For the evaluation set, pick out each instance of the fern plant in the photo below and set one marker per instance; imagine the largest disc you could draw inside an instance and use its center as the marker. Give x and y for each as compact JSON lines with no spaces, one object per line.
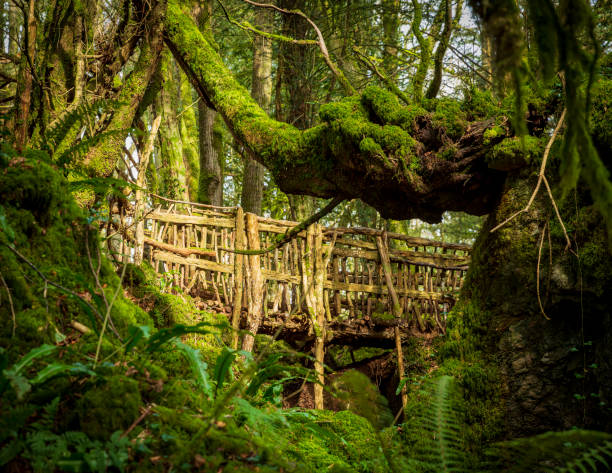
{"x":72,"y":123}
{"x":572,"y":451}
{"x":437,"y":428}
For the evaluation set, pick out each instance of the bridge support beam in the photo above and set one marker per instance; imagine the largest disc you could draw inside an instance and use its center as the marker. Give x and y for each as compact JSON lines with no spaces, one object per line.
{"x":255,"y":283}
{"x":239,"y":244}
{"x":397,"y":310}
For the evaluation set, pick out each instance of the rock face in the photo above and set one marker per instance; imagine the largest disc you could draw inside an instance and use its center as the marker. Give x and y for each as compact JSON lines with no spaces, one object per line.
{"x":556,"y":373}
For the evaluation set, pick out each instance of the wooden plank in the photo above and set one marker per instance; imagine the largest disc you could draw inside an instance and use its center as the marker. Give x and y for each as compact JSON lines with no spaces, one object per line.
{"x":382,"y":290}
{"x":274,"y":228}
{"x":227,"y":222}
{"x":198,"y":263}
{"x":411,"y":241}
{"x":179,"y":251}
{"x":409,"y":257}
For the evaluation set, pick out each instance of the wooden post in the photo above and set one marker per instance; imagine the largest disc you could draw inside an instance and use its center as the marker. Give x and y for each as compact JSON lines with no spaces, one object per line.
{"x":397,"y":312}
{"x":255,"y":283}
{"x":139,"y":197}
{"x":238,"y":275}
{"x":320,"y":274}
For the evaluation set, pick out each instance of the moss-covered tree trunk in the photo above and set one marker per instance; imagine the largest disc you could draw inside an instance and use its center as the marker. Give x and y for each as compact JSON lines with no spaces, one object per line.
{"x":552,"y":374}
{"x":171,"y":143}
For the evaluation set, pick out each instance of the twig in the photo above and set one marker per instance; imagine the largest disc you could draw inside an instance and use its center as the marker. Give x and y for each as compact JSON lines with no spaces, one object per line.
{"x":538,"y":271}
{"x":541,"y":176}
{"x":320,"y":41}
{"x":107,"y":316}
{"x":96,"y":273}
{"x":145,"y":412}
{"x":10,"y":298}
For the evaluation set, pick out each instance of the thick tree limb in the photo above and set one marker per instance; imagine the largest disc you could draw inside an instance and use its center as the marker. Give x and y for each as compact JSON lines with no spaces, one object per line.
{"x":395,"y":158}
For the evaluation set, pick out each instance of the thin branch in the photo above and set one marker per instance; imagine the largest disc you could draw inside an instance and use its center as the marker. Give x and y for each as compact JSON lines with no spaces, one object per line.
{"x":538,"y":271}
{"x":388,"y":82}
{"x":541,"y":177}
{"x":320,"y":41}
{"x":10,"y":299}
{"x":107,"y":317}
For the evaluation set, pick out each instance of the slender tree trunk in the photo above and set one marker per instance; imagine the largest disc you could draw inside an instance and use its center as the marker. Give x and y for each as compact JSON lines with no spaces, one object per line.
{"x":390,"y":23}
{"x":23,"y":97}
{"x":211,"y":178}
{"x":299,"y":91}
{"x":13,"y":28}
{"x":170,"y":135}
{"x":211,"y":173}
{"x":449,"y":25}
{"x":188,"y":123}
{"x":252,"y":185}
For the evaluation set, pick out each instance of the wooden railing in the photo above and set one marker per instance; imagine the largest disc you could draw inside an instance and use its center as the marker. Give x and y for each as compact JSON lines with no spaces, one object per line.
{"x":187,"y":244}
{"x":326,"y":285}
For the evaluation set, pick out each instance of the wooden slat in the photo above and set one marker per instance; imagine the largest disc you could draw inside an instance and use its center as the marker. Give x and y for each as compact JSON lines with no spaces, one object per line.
{"x":198,"y":263}
{"x":410,"y":257}
{"x":227,"y":222}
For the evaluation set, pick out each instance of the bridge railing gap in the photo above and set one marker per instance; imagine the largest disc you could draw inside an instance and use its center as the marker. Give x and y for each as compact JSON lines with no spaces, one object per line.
{"x":327,"y":285}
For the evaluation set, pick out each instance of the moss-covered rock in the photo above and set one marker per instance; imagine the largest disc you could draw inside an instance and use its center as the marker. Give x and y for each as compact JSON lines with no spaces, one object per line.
{"x":355,"y":392}
{"x":42,"y":225}
{"x":111,"y":406}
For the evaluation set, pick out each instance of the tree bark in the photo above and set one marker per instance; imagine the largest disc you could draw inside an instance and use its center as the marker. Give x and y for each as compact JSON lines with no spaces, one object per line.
{"x":25,"y":78}
{"x":171,"y":148}
{"x":253,"y":181}
{"x":211,"y":171}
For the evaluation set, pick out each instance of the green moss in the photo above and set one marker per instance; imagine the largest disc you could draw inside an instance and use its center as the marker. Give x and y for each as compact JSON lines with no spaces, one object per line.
{"x":512,"y":153}
{"x":384,"y":107}
{"x":112,"y":406}
{"x":450,"y":115}
{"x":351,"y":444}
{"x":491,"y":133}
{"x":356,"y":393}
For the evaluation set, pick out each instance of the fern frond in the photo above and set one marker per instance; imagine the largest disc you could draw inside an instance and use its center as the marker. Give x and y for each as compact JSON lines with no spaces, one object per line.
{"x":440,"y":446}
{"x":57,"y":133}
{"x":572,"y":451}
{"x":82,"y":147}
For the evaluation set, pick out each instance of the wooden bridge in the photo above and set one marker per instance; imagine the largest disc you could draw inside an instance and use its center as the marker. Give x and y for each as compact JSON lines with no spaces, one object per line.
{"x":328,"y":285}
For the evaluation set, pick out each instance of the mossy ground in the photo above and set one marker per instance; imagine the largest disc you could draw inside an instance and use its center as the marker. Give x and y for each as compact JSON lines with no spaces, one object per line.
{"x":152,"y":398}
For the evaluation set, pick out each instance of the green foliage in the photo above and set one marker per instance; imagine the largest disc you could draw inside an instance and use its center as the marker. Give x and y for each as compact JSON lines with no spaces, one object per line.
{"x":572,"y":451}
{"x":70,"y":451}
{"x":437,"y":430}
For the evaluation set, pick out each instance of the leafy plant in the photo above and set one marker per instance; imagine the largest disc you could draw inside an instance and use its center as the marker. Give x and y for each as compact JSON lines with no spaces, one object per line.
{"x":572,"y":451}
{"x":49,"y":451}
{"x":73,"y":123}
{"x":15,"y":376}
{"x":440,"y":446}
